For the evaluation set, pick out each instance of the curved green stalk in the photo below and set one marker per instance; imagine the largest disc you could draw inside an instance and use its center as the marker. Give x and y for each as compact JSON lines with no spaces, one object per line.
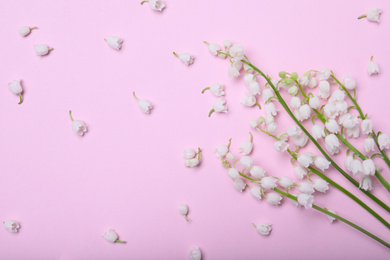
{"x":327,"y":213}
{"x":285,"y":106}
{"x":362,"y":116}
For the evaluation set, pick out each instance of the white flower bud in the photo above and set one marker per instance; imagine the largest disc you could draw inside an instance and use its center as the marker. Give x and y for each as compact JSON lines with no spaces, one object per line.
{"x":306,"y":187}
{"x":372,"y":68}
{"x":239,"y":184}
{"x":230,"y":156}
{"x":248,"y":100}
{"x":220,"y":105}
{"x":317,"y":132}
{"x":294,"y":131}
{"x":11,"y":226}
{"x":349,"y":82}
{"x":312,"y":82}
{"x":305,"y":111}
{"x":270,"y":109}
{"x":111,"y":236}
{"x":221,"y":151}
{"x":314,"y":102}
{"x":268,"y":182}
{"x":285,"y":181}
{"x":195,"y":254}
{"x":41,"y":49}
{"x":369,"y":145}
{"x":305,"y":200}
{"x":246,"y":161}
{"x":214,"y":48}
{"x":330,"y":218}
{"x":183,"y":209}
{"x":332,"y":126}
{"x":373,"y":14}
{"x":245,"y":147}
{"x":295,"y":102}
{"x":256,"y":192}
{"x":263,"y":229}
{"x":257,"y":172}
{"x":114,"y":42}
{"x":332,"y":144}
{"x":253,"y":123}
{"x":321,"y":163}
{"x":300,"y":140}
{"x":320,"y":185}
{"x":189,"y":153}
{"x":293,"y":90}
{"x":274,"y":198}
{"x":233,"y":173}
{"x":324,"y":74}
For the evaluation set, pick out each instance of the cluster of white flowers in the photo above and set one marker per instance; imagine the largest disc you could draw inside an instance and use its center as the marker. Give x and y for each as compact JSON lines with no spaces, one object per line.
{"x":190,"y":156}
{"x":217,"y":90}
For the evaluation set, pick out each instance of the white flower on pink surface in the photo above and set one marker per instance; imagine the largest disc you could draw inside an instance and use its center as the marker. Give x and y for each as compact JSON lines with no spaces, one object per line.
{"x":233,"y":173}
{"x":281,"y":146}
{"x":300,"y":172}
{"x":312,"y":82}
{"x":332,"y":126}
{"x":157,"y":5}
{"x":11,"y":225}
{"x":239,"y":184}
{"x":42,"y":49}
{"x":213,"y":48}
{"x":114,"y":42}
{"x":306,"y":187}
{"x":219,"y":106}
{"x":365,"y":183}
{"x":332,"y":144}
{"x":372,"y":14}
{"x":305,"y":159}
{"x":317,"y":132}
{"x":143,"y":104}
{"x":16,"y":88}
{"x":269,"y":182}
{"x":320,"y":185}
{"x":248,"y":100}
{"x":78,"y":126}
{"x":245,"y":147}
{"x":300,"y":140}
{"x":221,"y":151}
{"x":256,"y":192}
{"x":324,"y":74}
{"x":384,"y":141}
{"x":368,"y":167}
{"x":195,"y":254}
{"x":305,"y":200}
{"x":246,"y":161}
{"x":263,"y":228}
{"x":25,"y":30}
{"x":257,"y":172}
{"x":314,"y":102}
{"x":285,"y":181}
{"x":236,"y":52}
{"x":189,"y":153}
{"x":321,"y":163}
{"x":267,"y":94}
{"x":274,"y":198}
{"x":369,"y":145}
{"x":234,"y":70}
{"x":366,"y":126}
{"x":330,"y":218}
{"x":111,"y":236}
{"x":372,"y":67}
{"x":186,"y":58}
{"x":305,"y":111}
{"x":349,"y":82}
{"x":183,"y":209}
{"x":192,"y":162}
{"x":254,"y":88}
{"x":295,"y":102}
{"x":270,"y":109}
{"x":356,"y":167}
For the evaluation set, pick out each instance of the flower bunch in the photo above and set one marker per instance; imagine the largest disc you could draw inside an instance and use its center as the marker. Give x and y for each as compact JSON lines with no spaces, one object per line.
{"x":192,"y":158}
{"x":313,"y":98}
{"x":217,"y":90}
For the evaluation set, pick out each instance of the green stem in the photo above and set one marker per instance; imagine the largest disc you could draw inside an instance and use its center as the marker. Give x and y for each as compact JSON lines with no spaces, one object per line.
{"x":21,"y":98}
{"x":205,"y":89}
{"x":257,"y":103}
{"x":211,"y":111}
{"x":362,"y":16}
{"x":327,"y":213}
{"x":174,"y":53}
{"x":70,"y":114}
{"x":120,"y":241}
{"x":285,"y":106}
{"x":199,"y":156}
{"x":185,"y":216}
{"x":34,"y":27}
{"x":145,"y":1}
{"x":251,"y":138}
{"x":135,"y":97}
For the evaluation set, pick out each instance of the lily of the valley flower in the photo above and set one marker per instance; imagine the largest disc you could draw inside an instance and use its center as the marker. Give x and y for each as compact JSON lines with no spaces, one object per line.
{"x":285,"y":181}
{"x":305,"y":200}
{"x":16,"y":88}
{"x":233,"y":173}
{"x":263,"y":228}
{"x":189,"y":154}
{"x":274,"y":198}
{"x":222,"y":150}
{"x":216,"y":89}
{"x":249,"y":100}
{"x":330,"y":218}
{"x":25,"y":30}
{"x":306,"y":187}
{"x":213,"y":48}
{"x":114,"y":42}
{"x":317,"y":132}
{"x":332,"y":144}
{"x":321,"y":163}
{"x":195,"y":254}
{"x":349,"y":82}
{"x":183,"y":209}
{"x":269,"y":182}
{"x":11,"y":225}
{"x":369,"y":145}
{"x":366,"y":126}
{"x":256,"y":192}
{"x":300,"y":172}
{"x":186,"y":58}
{"x":157,"y":5}
{"x":246,"y":161}
{"x":78,"y":126}
{"x":219,"y":106}
{"x":384,"y":141}
{"x":42,"y":49}
{"x":314,"y":102}
{"x":257,"y":172}
{"x":324,"y":74}
{"x":368,"y":167}
{"x":239,"y":184}
{"x":246,"y":146}
{"x":192,"y":162}
{"x":143,"y":104}
{"x":305,"y":159}
{"x":365,"y":183}
{"x":372,"y":67}
{"x":281,"y":146}
{"x":372,"y":14}
{"x":320,"y":185}
{"x":111,"y":236}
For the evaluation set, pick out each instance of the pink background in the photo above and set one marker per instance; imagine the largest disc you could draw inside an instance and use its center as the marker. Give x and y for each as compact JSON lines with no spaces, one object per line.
{"x":127,"y":172}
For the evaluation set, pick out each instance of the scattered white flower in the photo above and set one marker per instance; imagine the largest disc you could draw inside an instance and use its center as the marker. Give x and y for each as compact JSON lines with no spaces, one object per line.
{"x":183,"y":209}
{"x":186,"y":58}
{"x":213,"y":48}
{"x":320,"y":185}
{"x":324,"y":86}
{"x":270,"y":109}
{"x":25,"y":30}
{"x":372,"y":14}
{"x":253,"y":123}
{"x":230,"y":156}
{"x":366,"y":183}
{"x":305,"y":111}
{"x":293,"y":90}
{"x":272,"y":127}
{"x":219,"y":106}
{"x":384,"y":141}
{"x":332,"y":144}
{"x":234,"y":70}
{"x":257,"y":172}
{"x":42,"y":49}
{"x":306,"y":187}
{"x":157,"y":5}
{"x":16,"y":88}
{"x":189,"y":154}
{"x":111,"y":236}
{"x":78,"y":126}
{"x":372,"y":67}
{"x":195,"y":254}
{"x":114,"y":42}
{"x":236,"y":52}
{"x":11,"y":225}
{"x":227,"y":44}
{"x":267,"y":94}
{"x":263,"y":228}
{"x":246,"y":161}
{"x":216,"y":89}
{"x":274,"y":198}
{"x":294,"y":131}
{"x":239,"y":184}
{"x":304,"y":80}
{"x":192,"y":162}
{"x":305,"y":200}
{"x":143,"y":104}
{"x":347,"y":162}
{"x":321,"y":163}
{"x":256,"y":192}
{"x":332,"y":126}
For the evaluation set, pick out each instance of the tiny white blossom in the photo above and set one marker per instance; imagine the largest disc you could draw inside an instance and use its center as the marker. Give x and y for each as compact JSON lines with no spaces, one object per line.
{"x":321,"y":163}
{"x":312,"y":82}
{"x":25,"y":30}
{"x":281,"y":146}
{"x":111,"y":236}
{"x":372,"y":67}
{"x":306,"y":187}
{"x":221,"y":151}
{"x":330,"y":218}
{"x":11,"y":225}
{"x":78,"y":126}
{"x":42,"y":49}
{"x":324,"y":74}
{"x":274,"y":198}
{"x":188,"y":154}
{"x":248,"y":100}
{"x":372,"y":14}
{"x":183,"y":209}
{"x":269,"y":182}
{"x":368,"y":167}
{"x":366,"y":126}
{"x":349,"y":82}
{"x":305,"y":159}
{"x":246,"y":161}
{"x":195,"y":254}
{"x":300,"y":172}
{"x":384,"y":141}
{"x":317,"y":132}
{"x":285,"y":181}
{"x":305,"y":200}
{"x":239,"y":184}
{"x":245,"y":147}
{"x":366,"y":183}
{"x":192,"y":162}
{"x":144,"y":105}
{"x":157,"y":5}
{"x":263,"y":229}
{"x":186,"y":58}
{"x":256,"y":192}
{"x":219,"y":106}
{"x":314,"y":102}
{"x":320,"y":185}
{"x":114,"y":42}
{"x":369,"y":145}
{"x":257,"y":172}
